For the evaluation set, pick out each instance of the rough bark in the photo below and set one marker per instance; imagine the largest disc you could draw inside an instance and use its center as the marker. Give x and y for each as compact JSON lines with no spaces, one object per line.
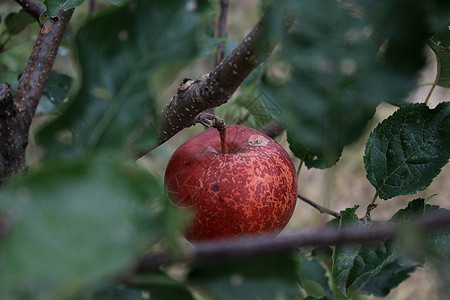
{"x":215,"y":88}
{"x":17,"y":110}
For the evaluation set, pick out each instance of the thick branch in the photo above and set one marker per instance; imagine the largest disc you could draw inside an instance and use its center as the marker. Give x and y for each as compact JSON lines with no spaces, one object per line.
{"x":217,"y":87}
{"x":31,"y":7}
{"x":17,"y":111}
{"x":266,"y":244}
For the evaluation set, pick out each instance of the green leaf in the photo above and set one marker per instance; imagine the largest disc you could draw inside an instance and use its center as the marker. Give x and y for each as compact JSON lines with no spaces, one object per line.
{"x":16,"y":22}
{"x":370,"y":258}
{"x":412,"y":212}
{"x":313,"y":278}
{"x":77,"y":223}
{"x":344,"y":255}
{"x":440,"y":43}
{"x":439,"y":241}
{"x":209,"y":45}
{"x":394,"y":271}
{"x":312,"y":158}
{"x":402,"y":32}
{"x":158,"y":285}
{"x":407,"y":150}
{"x":115,"y":104}
{"x":262,"y":277}
{"x":57,"y":88}
{"x":118,"y":292}
{"x":337,"y":75}
{"x":53,"y":7}
{"x":118,"y":2}
{"x":155,"y":286}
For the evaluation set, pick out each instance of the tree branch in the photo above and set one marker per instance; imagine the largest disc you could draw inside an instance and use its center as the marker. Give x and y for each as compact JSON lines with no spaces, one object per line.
{"x":31,"y":7}
{"x":18,"y":109}
{"x":272,"y":128}
{"x":215,"y":88}
{"x":266,"y":244}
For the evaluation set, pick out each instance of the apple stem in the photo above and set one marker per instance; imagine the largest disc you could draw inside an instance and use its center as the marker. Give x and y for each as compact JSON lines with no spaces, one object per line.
{"x":223,"y":137}
{"x":210,"y":120}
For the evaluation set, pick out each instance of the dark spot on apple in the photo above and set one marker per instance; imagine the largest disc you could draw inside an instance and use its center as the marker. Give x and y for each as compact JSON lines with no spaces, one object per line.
{"x":215,"y":188}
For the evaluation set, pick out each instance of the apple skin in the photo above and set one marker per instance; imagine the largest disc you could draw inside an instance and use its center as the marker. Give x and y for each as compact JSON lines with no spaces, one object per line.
{"x":250,"y":190}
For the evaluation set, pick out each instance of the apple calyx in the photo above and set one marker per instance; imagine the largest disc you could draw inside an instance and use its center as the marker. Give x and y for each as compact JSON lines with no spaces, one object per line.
{"x":209,"y":120}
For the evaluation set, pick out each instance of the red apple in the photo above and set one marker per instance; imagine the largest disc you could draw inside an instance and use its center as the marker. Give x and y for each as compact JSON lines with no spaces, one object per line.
{"x":250,"y":190}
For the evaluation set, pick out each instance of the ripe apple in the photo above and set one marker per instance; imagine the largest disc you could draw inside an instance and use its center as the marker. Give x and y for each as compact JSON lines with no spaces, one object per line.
{"x":250,"y":190}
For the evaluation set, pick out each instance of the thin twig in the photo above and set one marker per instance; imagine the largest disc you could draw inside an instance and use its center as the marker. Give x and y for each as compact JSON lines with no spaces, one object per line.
{"x":321,"y":209}
{"x":221,"y":29}
{"x":31,"y":7}
{"x":91,"y":8}
{"x":438,"y":74}
{"x":273,"y":128}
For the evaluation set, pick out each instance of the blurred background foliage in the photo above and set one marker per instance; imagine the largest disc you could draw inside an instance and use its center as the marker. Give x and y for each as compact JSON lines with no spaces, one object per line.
{"x":84,"y":197}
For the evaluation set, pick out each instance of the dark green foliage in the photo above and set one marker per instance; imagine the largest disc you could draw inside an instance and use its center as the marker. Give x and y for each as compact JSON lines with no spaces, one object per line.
{"x":76,"y":223}
{"x":114,"y":106}
{"x":16,"y":22}
{"x":319,"y":160}
{"x":313,"y":278}
{"x":440,"y":43}
{"x":262,"y":277}
{"x":407,"y":150}
{"x":71,"y":227}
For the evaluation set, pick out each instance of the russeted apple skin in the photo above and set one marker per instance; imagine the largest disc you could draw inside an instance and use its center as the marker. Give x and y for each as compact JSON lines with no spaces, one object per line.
{"x":250,"y":190}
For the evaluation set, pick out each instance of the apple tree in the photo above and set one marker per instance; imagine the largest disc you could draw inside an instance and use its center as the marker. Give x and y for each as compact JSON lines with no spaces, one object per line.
{"x":90,"y":90}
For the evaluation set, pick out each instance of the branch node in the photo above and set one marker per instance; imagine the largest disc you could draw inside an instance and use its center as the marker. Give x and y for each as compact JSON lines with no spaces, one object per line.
{"x":210,"y":120}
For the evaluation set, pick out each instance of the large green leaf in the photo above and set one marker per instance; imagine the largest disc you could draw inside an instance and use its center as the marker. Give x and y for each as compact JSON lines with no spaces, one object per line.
{"x":337,"y":75}
{"x":119,"y":51}
{"x":407,"y":150}
{"x":440,"y":43}
{"x":262,"y":277}
{"x":75,"y":224}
